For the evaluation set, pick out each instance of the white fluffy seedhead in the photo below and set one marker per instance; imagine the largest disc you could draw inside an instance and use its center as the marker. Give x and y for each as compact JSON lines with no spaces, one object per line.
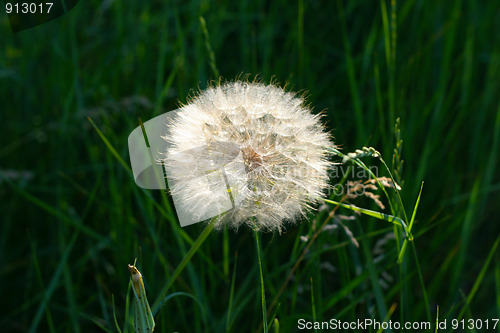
{"x":254,"y":143}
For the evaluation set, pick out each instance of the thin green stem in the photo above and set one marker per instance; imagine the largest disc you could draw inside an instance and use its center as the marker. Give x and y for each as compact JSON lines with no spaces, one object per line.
{"x":262,"y":288}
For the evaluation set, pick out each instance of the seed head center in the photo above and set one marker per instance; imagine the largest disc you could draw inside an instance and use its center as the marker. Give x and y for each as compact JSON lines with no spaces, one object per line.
{"x":252,"y":159}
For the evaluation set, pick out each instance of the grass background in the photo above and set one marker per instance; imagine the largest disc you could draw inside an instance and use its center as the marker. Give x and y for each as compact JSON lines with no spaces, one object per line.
{"x":72,"y":217}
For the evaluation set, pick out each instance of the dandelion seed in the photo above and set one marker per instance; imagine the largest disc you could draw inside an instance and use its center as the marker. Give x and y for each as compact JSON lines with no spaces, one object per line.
{"x":271,"y":149}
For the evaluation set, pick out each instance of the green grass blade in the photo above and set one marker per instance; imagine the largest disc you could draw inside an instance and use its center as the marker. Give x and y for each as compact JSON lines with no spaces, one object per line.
{"x":401,"y":254}
{"x":167,"y":86}
{"x":211,"y":53}
{"x":388,"y":316}
{"x":272,"y":318}
{"x":497,"y":282}
{"x":466,"y":233}
{"x":479,"y":279}
{"x":351,"y":71}
{"x":231,"y":295}
{"x":378,"y":215}
{"x":422,"y":283}
{"x":375,"y":282}
{"x":181,"y":293}
{"x":114,"y":314}
{"x":416,"y":207}
{"x":53,"y":284}
{"x":276,"y":325}
{"x":77,"y":224}
{"x":437,"y":318}
{"x":194,"y":248}
{"x":110,"y":147}
{"x":313,"y":303}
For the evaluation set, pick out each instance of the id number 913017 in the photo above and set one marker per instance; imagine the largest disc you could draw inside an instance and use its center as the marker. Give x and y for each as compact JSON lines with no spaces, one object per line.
{"x":28,"y":8}
{"x":474,"y":324}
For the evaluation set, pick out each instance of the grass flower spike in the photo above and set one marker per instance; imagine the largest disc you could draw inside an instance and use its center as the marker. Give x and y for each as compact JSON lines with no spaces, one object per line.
{"x":270,"y":149}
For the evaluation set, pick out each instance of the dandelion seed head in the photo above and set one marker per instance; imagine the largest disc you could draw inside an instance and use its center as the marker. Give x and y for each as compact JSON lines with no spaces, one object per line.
{"x":280,"y":144}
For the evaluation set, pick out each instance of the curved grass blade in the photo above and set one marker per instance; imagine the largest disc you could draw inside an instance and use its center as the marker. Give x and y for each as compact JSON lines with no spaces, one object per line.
{"x":381,"y":216}
{"x":378,"y":215}
{"x":401,"y":253}
{"x":114,"y":314}
{"x":479,"y":279}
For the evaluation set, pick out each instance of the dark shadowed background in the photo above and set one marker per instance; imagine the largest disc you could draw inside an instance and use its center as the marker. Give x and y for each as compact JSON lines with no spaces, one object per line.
{"x":72,"y":217}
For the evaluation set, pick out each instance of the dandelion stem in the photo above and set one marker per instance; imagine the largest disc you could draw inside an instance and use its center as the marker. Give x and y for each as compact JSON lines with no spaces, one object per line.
{"x":262,"y":289}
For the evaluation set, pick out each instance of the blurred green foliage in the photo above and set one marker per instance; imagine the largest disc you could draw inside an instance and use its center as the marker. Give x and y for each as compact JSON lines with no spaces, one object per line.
{"x":72,"y":217}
